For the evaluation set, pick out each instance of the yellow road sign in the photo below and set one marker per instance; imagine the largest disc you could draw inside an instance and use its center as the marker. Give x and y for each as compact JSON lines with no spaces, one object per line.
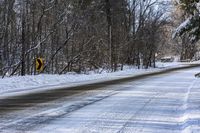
{"x":39,"y":64}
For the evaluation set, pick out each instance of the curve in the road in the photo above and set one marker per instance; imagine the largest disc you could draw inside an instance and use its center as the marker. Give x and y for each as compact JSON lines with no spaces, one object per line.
{"x":21,"y":102}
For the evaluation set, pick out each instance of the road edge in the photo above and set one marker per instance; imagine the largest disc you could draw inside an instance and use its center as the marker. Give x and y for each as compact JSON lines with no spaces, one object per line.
{"x":98,"y":84}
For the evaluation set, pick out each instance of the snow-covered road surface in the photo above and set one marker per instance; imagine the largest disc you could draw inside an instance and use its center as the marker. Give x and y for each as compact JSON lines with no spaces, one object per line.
{"x":167,"y":103}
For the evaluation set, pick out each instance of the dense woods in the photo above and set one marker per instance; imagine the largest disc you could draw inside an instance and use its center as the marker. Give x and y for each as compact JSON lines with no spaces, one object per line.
{"x":80,"y":35}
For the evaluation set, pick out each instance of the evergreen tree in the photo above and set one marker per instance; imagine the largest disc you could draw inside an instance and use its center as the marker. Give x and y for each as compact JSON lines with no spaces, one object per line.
{"x":191,"y":25}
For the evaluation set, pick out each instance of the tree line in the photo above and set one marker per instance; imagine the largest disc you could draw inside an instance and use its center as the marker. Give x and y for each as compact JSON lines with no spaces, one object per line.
{"x":80,"y":35}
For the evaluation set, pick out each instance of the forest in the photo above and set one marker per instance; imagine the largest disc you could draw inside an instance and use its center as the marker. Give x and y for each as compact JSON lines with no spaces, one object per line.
{"x":88,"y":35}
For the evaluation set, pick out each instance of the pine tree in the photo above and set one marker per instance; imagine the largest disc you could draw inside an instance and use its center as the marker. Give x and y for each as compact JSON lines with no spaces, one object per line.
{"x":191,"y":25}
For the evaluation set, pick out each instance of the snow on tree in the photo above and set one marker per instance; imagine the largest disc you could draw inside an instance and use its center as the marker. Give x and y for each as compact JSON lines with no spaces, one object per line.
{"x":191,"y":25}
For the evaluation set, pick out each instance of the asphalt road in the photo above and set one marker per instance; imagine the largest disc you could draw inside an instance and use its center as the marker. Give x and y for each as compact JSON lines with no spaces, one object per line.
{"x":160,"y":103}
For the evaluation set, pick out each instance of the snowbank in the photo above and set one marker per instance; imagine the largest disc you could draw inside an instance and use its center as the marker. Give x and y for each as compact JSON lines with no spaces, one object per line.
{"x":18,"y":85}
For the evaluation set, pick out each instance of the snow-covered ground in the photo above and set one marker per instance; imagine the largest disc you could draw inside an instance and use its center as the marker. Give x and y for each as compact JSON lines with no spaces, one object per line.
{"x":166,"y":103}
{"x":18,"y":85}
